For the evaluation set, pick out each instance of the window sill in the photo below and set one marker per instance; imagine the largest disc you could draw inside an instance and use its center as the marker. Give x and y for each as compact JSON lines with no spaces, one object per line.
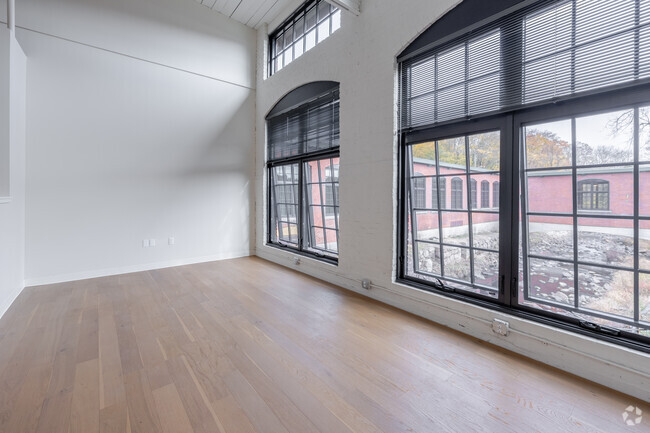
{"x":307,"y":254}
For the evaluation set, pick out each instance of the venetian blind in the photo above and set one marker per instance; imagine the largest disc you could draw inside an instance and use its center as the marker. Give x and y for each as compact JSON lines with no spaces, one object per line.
{"x":547,"y":51}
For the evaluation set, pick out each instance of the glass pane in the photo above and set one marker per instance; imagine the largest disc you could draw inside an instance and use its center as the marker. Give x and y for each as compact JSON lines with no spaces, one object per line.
{"x":548,"y":144}
{"x":548,"y":31}
{"x":310,"y":40}
{"x":323,"y":10}
{"x":456,"y":191}
{"x":486,"y":268}
{"x":548,"y":77}
{"x":551,"y":281}
{"x":485,"y":152}
{"x":644,"y":134}
{"x":288,"y":36}
{"x":592,"y":24}
{"x":332,"y":241}
{"x":644,"y":190}
{"x":550,"y":191}
{"x":299,"y":48}
{"x":288,"y":56}
{"x":484,"y":190}
{"x":644,"y":296}
{"x":484,"y":55}
{"x":323,"y":30}
{"x":424,"y":158}
{"x":427,"y":227}
{"x":605,"y":138}
{"x":551,"y":236}
{"x":607,"y":241}
{"x":451,"y":67}
{"x":336,"y":20}
{"x":457,"y":263}
{"x":452,"y":155}
{"x":451,"y":102}
{"x":429,"y":258}
{"x":484,"y":94}
{"x":455,"y":229}
{"x":616,"y":71}
{"x":485,"y":231}
{"x":608,"y":190}
{"x":299,"y":27}
{"x":644,"y":245}
{"x":310,"y":19}
{"x":606,"y":290}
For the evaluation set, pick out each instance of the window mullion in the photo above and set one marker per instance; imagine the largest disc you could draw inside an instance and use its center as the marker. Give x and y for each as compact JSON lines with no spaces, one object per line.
{"x":637,"y":238}
{"x":574,"y":186}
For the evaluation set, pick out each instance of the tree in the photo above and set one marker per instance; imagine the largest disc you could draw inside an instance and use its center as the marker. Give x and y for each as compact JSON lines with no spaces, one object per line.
{"x":546,"y":149}
{"x":625,"y":122}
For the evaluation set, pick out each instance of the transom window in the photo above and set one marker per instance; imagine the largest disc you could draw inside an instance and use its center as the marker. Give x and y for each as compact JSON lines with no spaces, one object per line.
{"x":566,"y":239}
{"x":311,"y":24}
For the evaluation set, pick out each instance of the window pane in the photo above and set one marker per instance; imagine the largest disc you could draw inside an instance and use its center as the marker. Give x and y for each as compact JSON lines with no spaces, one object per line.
{"x":429,"y":258}
{"x":608,"y":189}
{"x":550,"y":191}
{"x":548,"y":144}
{"x":323,"y":30}
{"x":457,"y":263}
{"x":485,"y":151}
{"x":427,"y":227}
{"x":644,"y":190}
{"x":485,"y":231}
{"x":551,"y":281}
{"x":323,"y":10}
{"x":452,"y":155}
{"x":310,"y":40}
{"x":606,"y":290}
{"x":644,"y":245}
{"x":548,"y":31}
{"x":644,"y":134}
{"x":486,"y":268}
{"x":299,"y":27}
{"x":321,"y":179}
{"x":310,"y":19}
{"x":551,"y":237}
{"x":606,"y":241}
{"x":336,"y":20}
{"x":644,"y":296}
{"x":455,"y":228}
{"x":605,"y":138}
{"x":451,"y":67}
{"x":458,"y":192}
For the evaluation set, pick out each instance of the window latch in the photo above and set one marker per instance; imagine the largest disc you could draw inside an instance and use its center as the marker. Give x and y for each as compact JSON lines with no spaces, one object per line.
{"x":442,"y":286}
{"x":598,"y":328}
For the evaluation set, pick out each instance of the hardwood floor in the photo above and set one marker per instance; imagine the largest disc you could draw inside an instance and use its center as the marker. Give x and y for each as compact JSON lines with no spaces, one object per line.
{"x":248,"y":346}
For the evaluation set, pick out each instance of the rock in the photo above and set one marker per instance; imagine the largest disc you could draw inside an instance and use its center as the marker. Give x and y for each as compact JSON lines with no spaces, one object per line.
{"x":561,"y":297}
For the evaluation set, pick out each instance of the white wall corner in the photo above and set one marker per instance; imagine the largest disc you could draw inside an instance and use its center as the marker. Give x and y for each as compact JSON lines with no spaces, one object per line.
{"x":353,"y":6}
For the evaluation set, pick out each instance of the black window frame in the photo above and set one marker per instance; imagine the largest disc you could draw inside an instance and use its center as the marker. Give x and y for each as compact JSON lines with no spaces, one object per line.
{"x":505,"y":194}
{"x":290,"y":25}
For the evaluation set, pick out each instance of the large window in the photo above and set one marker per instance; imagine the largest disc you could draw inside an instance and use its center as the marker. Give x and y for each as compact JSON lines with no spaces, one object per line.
{"x":312,"y":23}
{"x":566,"y":239}
{"x":303,"y":172}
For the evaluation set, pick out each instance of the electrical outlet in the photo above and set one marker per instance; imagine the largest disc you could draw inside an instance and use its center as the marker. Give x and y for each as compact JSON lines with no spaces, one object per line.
{"x":145,"y":243}
{"x":171,"y":241}
{"x":152,"y":242}
{"x":500,"y":327}
{"x":366,"y":283}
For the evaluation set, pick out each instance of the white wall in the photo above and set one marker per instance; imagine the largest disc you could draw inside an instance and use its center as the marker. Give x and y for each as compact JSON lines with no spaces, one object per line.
{"x":140,"y":118}
{"x":361,"y":56}
{"x":12,"y":212}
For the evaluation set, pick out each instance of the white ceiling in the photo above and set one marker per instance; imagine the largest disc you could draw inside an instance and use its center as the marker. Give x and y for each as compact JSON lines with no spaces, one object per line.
{"x":252,"y":13}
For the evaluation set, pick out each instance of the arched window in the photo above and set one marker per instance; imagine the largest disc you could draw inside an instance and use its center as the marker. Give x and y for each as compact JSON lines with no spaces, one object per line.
{"x":495,"y":194}
{"x":419,"y":191}
{"x":485,"y":193}
{"x":456,"y":193}
{"x":473,"y":193}
{"x":593,"y":194}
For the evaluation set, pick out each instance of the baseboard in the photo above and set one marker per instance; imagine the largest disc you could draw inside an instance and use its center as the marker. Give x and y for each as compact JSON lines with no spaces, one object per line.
{"x":10,"y":300}
{"x":84,"y":275}
{"x":616,"y":367}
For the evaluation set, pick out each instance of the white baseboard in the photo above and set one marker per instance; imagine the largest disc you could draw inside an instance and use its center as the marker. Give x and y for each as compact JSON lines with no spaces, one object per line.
{"x":84,"y":275}
{"x":10,"y":300}
{"x":614,"y":366}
